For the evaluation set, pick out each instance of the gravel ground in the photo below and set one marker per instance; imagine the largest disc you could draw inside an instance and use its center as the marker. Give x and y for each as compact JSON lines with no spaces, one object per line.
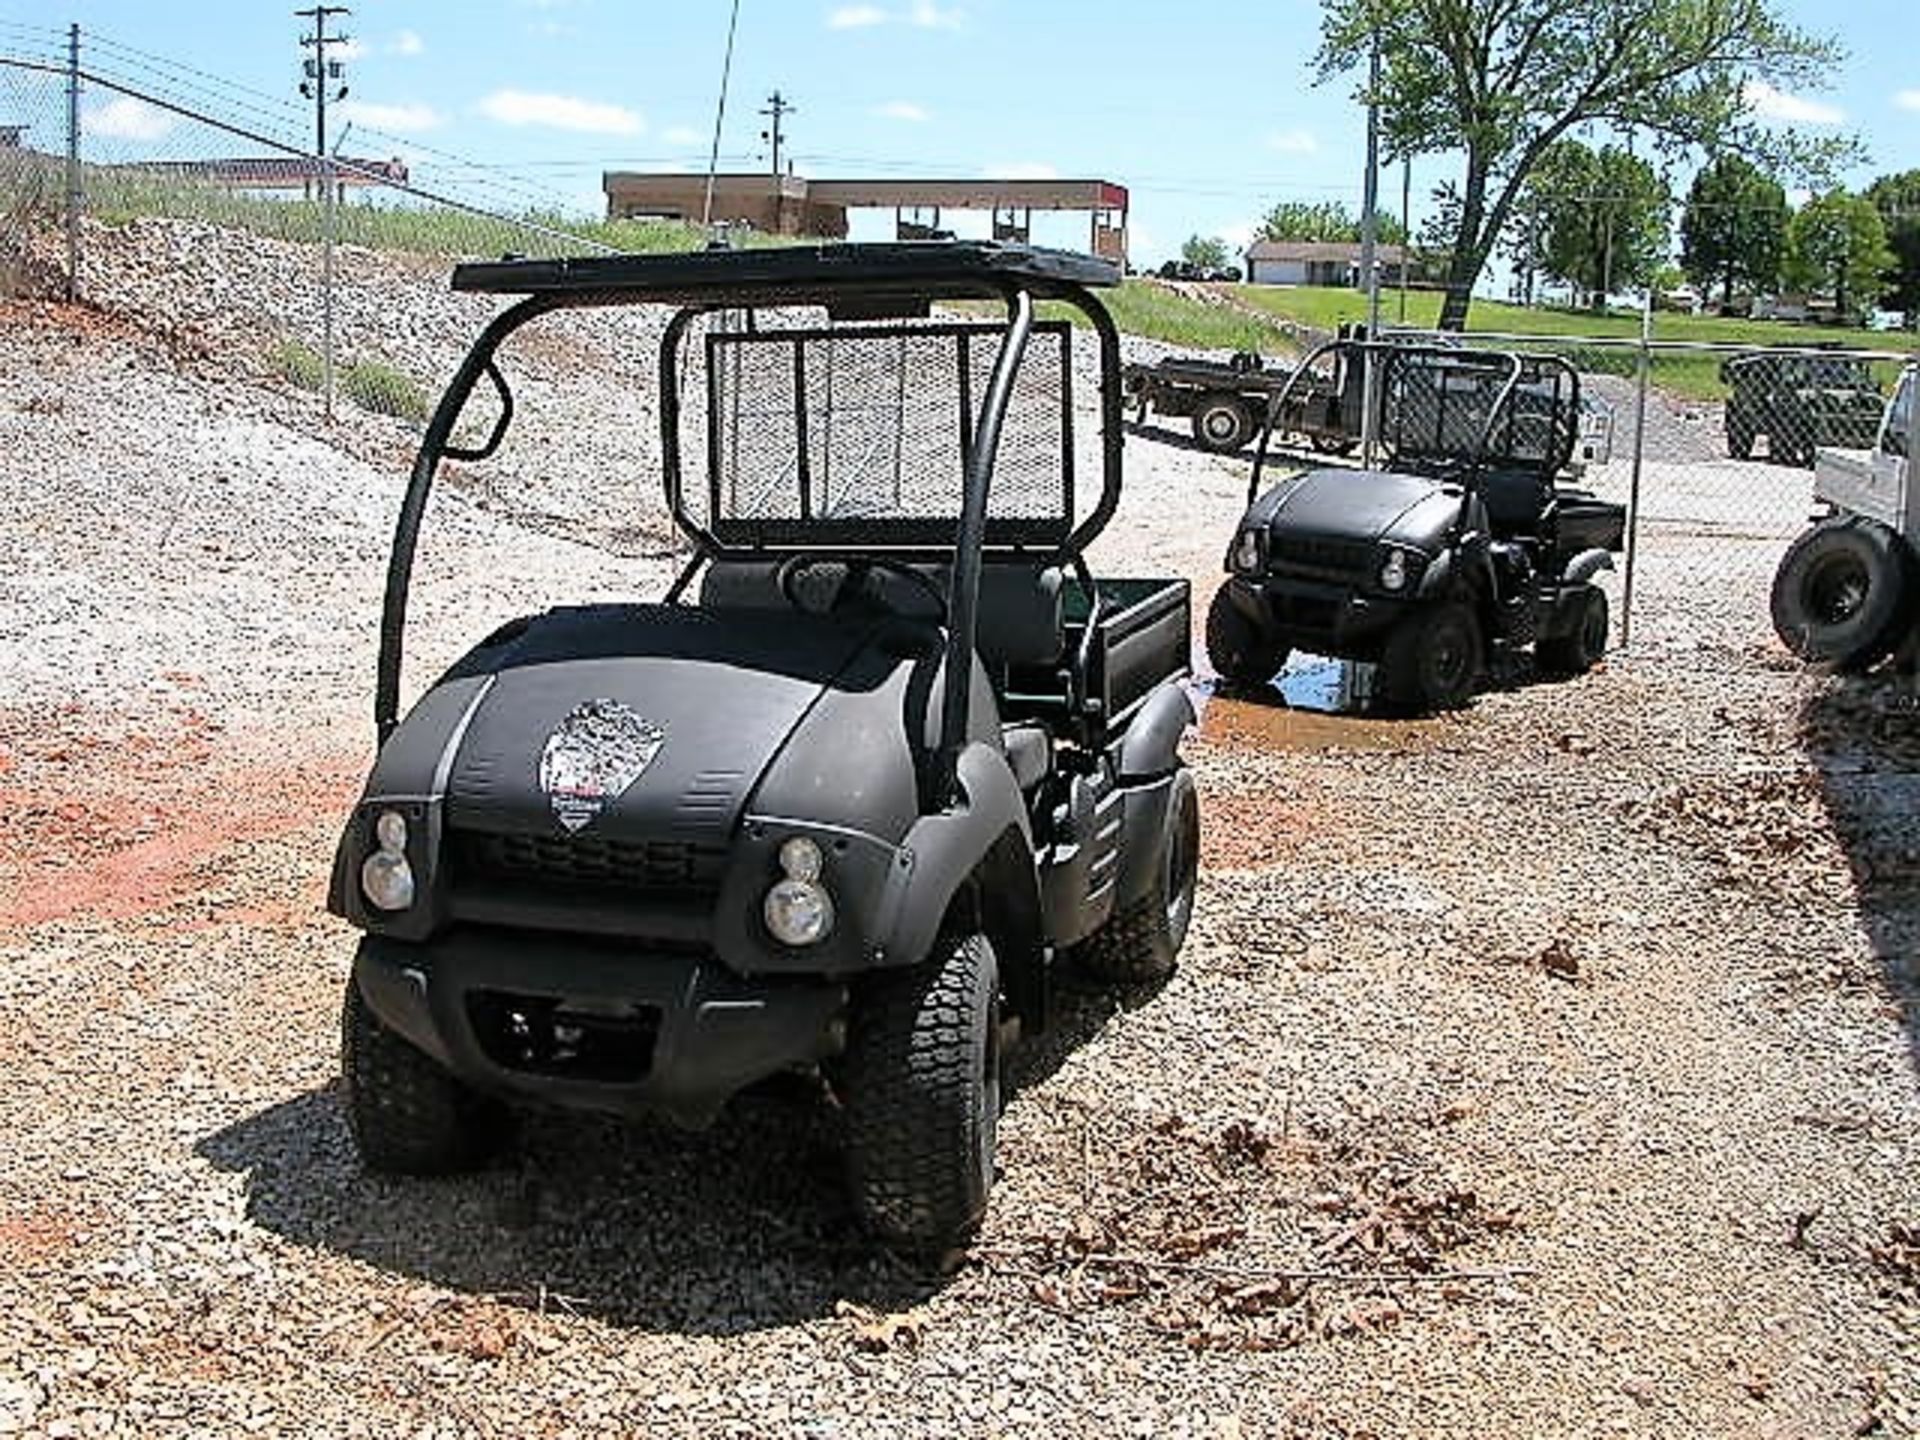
{"x":1547,"y":1069}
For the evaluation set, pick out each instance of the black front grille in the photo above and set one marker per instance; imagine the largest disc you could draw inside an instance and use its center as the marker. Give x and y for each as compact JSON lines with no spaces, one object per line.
{"x":1321,"y":555}
{"x":539,"y":1035}
{"x":589,"y":861}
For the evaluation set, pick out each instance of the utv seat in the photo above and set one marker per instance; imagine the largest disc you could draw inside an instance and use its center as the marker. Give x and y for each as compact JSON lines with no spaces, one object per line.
{"x":1517,"y":502}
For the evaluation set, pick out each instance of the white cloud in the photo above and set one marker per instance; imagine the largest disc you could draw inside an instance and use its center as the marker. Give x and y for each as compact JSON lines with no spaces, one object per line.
{"x":400,"y":119}
{"x":1772,"y":104}
{"x":128,"y":119}
{"x":901,"y":110}
{"x":1021,"y":170}
{"x":682,"y":135}
{"x":856,"y":17}
{"x":930,"y":16}
{"x":561,"y":112}
{"x":346,"y":49}
{"x":1908,"y":99}
{"x":407,"y":42}
{"x":1293,"y":142}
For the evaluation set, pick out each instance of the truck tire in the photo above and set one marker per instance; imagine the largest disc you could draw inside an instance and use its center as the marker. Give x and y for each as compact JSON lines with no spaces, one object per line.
{"x":1222,"y":422}
{"x":1239,"y":653}
{"x":920,"y":1084}
{"x":1843,"y":592}
{"x":1580,"y":649}
{"x":408,"y":1116}
{"x":1739,"y":438}
{"x":1433,"y":659}
{"x":1141,"y":944}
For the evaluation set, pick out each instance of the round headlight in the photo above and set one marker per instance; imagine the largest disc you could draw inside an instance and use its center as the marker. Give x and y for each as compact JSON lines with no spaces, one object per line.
{"x":391,"y":831}
{"x":1393,"y":571}
{"x":1246,"y":552}
{"x":798,"y":912}
{"x":801,"y":859}
{"x":387,"y":880}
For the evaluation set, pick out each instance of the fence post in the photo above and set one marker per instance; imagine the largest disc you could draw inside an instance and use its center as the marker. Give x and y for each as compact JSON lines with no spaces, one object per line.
{"x":326,"y":276}
{"x":1642,"y":367}
{"x":74,"y":198}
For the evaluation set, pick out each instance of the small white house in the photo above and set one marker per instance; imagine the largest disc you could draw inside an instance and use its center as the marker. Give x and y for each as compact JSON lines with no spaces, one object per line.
{"x":1318,"y":262}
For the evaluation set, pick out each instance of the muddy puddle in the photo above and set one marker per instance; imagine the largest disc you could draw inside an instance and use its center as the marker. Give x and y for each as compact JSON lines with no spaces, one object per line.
{"x":1313,"y":704}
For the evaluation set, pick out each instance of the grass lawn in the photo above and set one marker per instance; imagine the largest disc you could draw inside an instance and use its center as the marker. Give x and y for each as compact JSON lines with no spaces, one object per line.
{"x":1695,"y":376}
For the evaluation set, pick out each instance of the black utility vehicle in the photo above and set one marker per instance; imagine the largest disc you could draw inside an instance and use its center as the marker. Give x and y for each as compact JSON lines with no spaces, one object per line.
{"x":841,"y":803}
{"x":1464,"y":549}
{"x":1800,"y":402}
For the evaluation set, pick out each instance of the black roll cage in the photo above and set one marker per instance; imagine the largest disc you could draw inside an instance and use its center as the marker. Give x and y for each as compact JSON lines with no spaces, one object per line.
{"x":845,"y":293}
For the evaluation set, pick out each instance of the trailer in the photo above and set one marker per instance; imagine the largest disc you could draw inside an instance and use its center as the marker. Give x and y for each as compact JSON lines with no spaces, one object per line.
{"x":1227,"y":401}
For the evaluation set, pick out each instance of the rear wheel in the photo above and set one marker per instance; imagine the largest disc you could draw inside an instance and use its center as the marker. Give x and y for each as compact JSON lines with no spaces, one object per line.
{"x":921,"y":1087}
{"x":1432,"y":659}
{"x":1739,"y":438}
{"x":1842,"y":592}
{"x":1223,"y":422}
{"x":1333,"y":444}
{"x":407,"y":1114}
{"x":1237,"y":649}
{"x":1142,"y":942}
{"x":1579,"y":650}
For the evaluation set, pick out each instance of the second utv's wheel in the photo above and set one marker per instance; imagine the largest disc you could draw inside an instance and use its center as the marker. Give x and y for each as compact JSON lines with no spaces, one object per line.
{"x":1141,"y":943}
{"x":921,"y":1087}
{"x":1432,"y":660}
{"x":1239,"y":653}
{"x":1739,"y":439}
{"x":1579,"y":650}
{"x":407,"y":1114}
{"x":1222,"y":422}
{"x":1841,"y":593}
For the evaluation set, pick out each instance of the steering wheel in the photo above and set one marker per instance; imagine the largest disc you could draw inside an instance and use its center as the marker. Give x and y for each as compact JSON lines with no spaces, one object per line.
{"x":857,"y":567}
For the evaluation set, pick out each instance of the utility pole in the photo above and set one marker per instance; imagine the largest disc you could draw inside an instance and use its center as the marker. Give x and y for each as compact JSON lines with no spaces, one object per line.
{"x":74,"y":197}
{"x":1369,"y":257}
{"x":776,"y":107}
{"x":322,"y":76}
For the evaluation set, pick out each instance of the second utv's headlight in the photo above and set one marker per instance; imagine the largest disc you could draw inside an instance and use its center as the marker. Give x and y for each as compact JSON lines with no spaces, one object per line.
{"x":1395,"y":571}
{"x":387,"y":880}
{"x":1246,"y":552}
{"x":798,"y":912}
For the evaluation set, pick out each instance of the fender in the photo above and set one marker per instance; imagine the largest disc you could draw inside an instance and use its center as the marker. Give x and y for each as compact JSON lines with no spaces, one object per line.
{"x":1150,"y":747}
{"x":1438,"y":576}
{"x":1584,"y":566}
{"x":942,"y":852}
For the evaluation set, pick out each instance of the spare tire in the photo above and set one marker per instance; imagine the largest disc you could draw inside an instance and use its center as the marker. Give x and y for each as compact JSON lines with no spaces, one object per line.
{"x":1843,"y":592}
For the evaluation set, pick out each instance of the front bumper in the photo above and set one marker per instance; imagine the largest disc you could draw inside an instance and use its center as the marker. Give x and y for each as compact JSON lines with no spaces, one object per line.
{"x":1325,"y":617}
{"x":583,"y":1025}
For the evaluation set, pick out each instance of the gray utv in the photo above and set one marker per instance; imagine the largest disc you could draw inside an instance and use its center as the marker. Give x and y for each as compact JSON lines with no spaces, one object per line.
{"x":883,"y":754}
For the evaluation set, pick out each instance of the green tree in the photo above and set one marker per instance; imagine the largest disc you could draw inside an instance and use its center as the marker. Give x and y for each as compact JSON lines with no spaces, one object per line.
{"x":1897,"y":198}
{"x":1327,"y":221}
{"x":1502,"y":80}
{"x":1207,"y":251}
{"x":1735,"y":228}
{"x":1606,"y":218}
{"x":1837,"y":241}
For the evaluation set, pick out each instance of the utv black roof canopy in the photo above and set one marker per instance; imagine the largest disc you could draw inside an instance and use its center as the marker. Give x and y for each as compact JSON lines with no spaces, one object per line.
{"x":935,"y":269}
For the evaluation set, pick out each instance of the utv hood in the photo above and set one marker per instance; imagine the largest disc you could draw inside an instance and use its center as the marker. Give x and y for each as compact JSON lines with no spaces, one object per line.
{"x":624,"y":722}
{"x":1358,"y":505}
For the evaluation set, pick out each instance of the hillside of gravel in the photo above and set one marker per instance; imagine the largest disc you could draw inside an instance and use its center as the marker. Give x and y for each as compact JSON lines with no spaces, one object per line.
{"x":1547,"y":1069}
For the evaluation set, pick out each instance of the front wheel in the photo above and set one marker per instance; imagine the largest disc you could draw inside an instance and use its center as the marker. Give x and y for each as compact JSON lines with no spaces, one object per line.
{"x":1580,"y":649}
{"x":1141,"y":944}
{"x":1842,"y":593}
{"x":1433,"y":659}
{"x":408,"y":1116}
{"x":921,"y":1084}
{"x":1236,"y":647}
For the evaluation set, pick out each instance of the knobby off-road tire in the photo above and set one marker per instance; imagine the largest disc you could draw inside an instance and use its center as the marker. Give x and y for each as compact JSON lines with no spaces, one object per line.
{"x":1739,"y":439}
{"x":921,"y":1086}
{"x":1236,"y":648}
{"x":1433,"y":659}
{"x":1222,"y":423}
{"x":1142,"y":943}
{"x":1843,"y":593}
{"x":408,"y":1115}
{"x":1580,"y":650}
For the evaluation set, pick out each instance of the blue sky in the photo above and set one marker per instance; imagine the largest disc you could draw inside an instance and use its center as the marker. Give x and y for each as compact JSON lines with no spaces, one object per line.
{"x":1208,"y":115}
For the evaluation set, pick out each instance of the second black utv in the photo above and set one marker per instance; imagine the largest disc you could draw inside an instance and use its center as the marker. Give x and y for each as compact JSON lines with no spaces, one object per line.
{"x":1463,"y":553}
{"x":840,"y":806}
